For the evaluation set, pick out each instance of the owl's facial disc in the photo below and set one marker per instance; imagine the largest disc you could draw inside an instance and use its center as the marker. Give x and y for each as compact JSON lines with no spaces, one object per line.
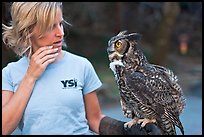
{"x":115,"y":56}
{"x":117,"y":49}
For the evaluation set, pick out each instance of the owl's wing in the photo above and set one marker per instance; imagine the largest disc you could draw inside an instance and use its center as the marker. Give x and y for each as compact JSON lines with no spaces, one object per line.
{"x":166,"y":71}
{"x":154,"y":93}
{"x":169,"y":78}
{"x":136,"y":84}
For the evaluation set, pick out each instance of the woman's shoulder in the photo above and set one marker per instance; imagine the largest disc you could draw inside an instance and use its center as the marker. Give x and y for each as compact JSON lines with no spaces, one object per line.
{"x":75,"y":57}
{"x":21,"y":62}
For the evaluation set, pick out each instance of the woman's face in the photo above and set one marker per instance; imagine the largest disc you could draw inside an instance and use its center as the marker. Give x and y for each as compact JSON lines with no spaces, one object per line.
{"x":53,"y":37}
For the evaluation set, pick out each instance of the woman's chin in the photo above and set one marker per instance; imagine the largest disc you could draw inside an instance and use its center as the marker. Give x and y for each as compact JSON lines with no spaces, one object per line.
{"x":59,"y":49}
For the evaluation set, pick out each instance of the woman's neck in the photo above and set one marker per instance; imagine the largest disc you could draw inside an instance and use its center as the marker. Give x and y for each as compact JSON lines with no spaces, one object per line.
{"x":60,"y":56}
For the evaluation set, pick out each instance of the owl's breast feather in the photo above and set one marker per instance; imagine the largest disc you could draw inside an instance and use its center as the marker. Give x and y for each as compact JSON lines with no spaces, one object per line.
{"x":113,"y":64}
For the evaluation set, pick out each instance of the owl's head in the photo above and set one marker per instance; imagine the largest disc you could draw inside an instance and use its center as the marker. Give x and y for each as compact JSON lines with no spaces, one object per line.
{"x":120,"y":44}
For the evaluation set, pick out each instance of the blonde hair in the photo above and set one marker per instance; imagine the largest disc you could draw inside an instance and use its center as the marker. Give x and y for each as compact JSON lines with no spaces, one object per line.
{"x":25,"y":16}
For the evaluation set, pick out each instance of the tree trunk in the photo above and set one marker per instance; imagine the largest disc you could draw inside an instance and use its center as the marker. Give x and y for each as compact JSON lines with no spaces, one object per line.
{"x":162,"y":43}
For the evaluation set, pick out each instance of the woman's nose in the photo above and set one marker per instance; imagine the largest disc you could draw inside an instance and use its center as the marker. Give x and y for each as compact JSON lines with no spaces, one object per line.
{"x":59,"y":31}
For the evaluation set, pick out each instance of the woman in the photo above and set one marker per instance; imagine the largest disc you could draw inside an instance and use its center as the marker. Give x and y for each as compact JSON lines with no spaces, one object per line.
{"x":48,"y":90}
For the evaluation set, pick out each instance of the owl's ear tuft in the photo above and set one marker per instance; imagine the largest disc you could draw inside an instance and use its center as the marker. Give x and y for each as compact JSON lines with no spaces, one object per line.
{"x":122,"y":33}
{"x":134,"y":36}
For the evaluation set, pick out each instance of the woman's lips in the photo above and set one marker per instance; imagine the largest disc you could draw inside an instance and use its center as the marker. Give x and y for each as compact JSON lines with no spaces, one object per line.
{"x":57,"y":44}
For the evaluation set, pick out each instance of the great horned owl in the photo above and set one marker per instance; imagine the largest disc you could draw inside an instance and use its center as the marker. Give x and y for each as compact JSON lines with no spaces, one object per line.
{"x":148,"y":92}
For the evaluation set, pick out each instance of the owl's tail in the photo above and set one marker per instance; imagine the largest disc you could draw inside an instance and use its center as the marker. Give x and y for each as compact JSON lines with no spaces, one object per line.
{"x":168,"y":123}
{"x":167,"y":126}
{"x":176,"y":121}
{"x":181,"y":127}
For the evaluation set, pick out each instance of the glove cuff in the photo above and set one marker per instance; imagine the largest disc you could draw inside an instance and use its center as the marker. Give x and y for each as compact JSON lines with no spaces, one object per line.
{"x":110,"y":126}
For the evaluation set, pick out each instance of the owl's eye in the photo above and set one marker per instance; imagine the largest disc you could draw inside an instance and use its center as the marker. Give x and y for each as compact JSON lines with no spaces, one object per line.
{"x":118,"y":44}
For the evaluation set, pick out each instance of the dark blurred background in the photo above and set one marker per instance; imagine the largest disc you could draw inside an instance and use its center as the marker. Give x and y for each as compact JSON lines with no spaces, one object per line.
{"x":171,"y":37}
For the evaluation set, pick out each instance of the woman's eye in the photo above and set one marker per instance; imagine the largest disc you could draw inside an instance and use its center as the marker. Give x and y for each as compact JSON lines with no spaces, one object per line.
{"x":118,"y":44}
{"x":61,"y":23}
{"x":53,"y":26}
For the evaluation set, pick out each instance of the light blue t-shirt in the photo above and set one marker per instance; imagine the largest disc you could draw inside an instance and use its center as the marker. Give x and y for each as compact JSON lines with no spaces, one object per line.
{"x":56,"y":105}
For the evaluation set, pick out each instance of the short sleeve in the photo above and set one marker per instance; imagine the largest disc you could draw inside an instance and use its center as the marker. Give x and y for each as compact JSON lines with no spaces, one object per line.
{"x":91,"y":79}
{"x":6,"y":80}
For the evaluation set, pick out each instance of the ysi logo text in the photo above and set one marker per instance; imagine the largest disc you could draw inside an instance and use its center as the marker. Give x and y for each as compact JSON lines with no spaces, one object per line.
{"x":72,"y":83}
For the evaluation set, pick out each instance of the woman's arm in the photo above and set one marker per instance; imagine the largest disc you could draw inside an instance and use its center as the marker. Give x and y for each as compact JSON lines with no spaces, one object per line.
{"x":13,"y":105}
{"x":105,"y":125}
{"x":93,"y":111}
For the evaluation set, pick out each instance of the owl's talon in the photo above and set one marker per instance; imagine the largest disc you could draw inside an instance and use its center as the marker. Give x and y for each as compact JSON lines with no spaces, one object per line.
{"x":125,"y":126}
{"x":130,"y":123}
{"x":144,"y":121}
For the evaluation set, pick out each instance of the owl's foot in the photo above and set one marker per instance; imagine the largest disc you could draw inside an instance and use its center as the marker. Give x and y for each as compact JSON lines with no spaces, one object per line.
{"x":130,"y":123}
{"x":145,"y":121}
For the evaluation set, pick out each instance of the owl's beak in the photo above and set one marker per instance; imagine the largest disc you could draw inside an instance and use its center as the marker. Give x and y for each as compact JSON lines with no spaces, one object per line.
{"x":114,"y":56}
{"x":110,"y":49}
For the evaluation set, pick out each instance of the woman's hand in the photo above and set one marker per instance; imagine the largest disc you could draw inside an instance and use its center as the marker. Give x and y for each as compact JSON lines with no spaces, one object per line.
{"x":40,"y":60}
